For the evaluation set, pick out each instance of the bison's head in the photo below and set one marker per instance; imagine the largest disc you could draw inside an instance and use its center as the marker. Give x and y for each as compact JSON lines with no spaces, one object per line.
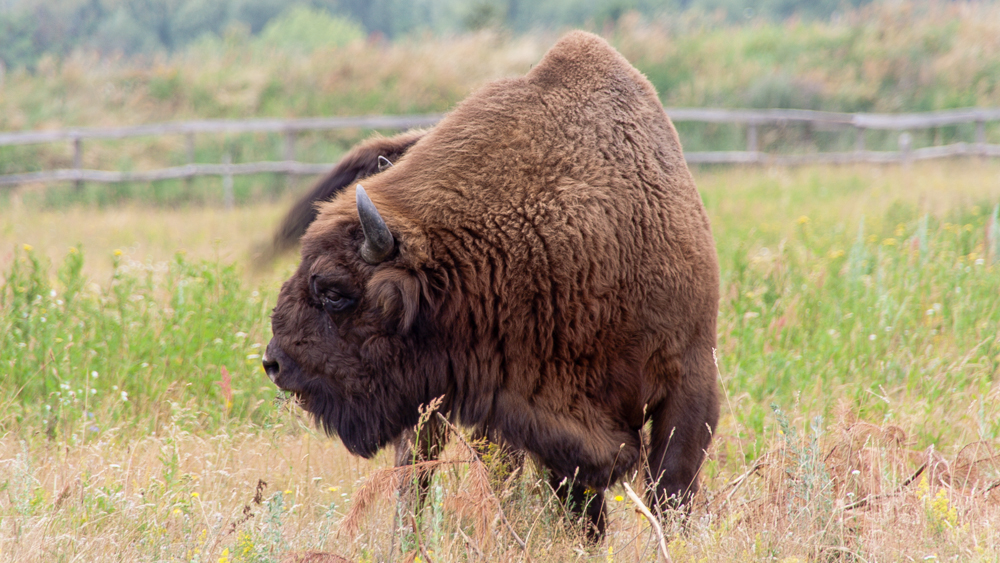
{"x":345,"y":339}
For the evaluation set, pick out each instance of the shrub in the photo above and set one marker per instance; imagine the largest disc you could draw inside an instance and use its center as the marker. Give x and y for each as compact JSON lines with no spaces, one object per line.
{"x":304,"y":30}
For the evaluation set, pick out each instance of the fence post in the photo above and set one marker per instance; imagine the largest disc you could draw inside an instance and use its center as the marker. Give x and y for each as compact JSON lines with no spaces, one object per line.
{"x":227,"y":181}
{"x":289,"y":155}
{"x":752,"y":144}
{"x":189,"y":143}
{"x":290,"y":144}
{"x":859,"y":139}
{"x":78,"y":160}
{"x":981,"y":137}
{"x":905,"y":146}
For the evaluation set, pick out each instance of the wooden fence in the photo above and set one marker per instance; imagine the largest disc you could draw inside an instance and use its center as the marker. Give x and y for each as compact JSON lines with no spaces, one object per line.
{"x":752,"y":120}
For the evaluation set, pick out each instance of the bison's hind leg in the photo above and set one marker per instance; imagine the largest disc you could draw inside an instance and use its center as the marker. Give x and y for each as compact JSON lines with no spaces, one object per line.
{"x":581,"y":501}
{"x":682,"y":427}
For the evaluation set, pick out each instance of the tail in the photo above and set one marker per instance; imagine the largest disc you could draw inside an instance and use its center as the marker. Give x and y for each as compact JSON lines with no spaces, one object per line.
{"x":362,"y":161}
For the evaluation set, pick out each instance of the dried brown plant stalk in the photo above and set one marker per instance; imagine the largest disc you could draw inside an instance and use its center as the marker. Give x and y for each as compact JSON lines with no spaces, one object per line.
{"x":475,"y":501}
{"x":383,"y":484}
{"x":420,"y":540}
{"x":480,"y":482}
{"x":641,"y":507}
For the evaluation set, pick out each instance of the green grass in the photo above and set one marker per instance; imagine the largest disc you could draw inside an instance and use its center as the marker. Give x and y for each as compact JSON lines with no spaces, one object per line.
{"x":902,"y":306}
{"x":847,"y":287}
{"x":820,"y":307}
{"x":814,"y":306}
{"x":858,"y":303}
{"x":83,"y":359}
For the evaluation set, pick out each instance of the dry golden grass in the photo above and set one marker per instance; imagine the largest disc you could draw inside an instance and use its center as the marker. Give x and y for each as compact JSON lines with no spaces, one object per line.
{"x":169,"y":495}
{"x":143,"y":233}
{"x":858,"y":493}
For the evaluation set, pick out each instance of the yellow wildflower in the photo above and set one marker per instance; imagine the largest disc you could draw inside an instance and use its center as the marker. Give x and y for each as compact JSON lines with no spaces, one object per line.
{"x":923,"y":488}
{"x":944,"y":515}
{"x":802,"y":220}
{"x":28,"y":247}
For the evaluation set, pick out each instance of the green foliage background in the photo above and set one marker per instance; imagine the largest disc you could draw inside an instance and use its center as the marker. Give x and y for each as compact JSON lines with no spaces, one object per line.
{"x":32,"y":28}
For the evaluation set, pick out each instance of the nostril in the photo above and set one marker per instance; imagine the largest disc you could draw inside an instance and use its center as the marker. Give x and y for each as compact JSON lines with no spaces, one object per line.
{"x":271,"y":367}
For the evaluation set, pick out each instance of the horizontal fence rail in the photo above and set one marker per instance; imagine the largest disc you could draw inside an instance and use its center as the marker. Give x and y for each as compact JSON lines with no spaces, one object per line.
{"x":751,"y":119}
{"x":393,"y":122}
{"x":174,"y":173}
{"x":878,"y":121}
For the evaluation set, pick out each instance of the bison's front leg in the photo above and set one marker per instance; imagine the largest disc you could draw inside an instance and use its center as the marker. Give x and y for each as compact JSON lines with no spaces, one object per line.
{"x":582,"y":501}
{"x":422,"y":443}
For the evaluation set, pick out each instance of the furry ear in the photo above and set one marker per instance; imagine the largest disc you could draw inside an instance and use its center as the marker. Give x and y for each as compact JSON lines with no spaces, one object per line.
{"x":397,"y":293}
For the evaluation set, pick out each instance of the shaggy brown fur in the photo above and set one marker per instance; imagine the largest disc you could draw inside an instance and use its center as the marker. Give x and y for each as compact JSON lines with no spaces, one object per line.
{"x":554,"y":277}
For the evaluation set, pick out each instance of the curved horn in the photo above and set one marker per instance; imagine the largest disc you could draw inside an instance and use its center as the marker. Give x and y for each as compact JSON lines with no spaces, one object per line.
{"x":378,"y":243}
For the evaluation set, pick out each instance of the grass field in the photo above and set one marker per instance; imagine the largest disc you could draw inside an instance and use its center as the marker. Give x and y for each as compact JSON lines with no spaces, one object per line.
{"x":859,"y":358}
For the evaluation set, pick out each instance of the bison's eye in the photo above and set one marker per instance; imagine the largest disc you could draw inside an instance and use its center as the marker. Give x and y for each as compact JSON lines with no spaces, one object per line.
{"x":329,"y":295}
{"x":336,"y":303}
